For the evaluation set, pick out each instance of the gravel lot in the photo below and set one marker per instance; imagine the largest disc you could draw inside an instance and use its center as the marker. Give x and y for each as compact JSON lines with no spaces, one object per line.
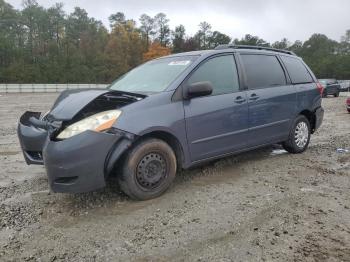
{"x":265,"y":205}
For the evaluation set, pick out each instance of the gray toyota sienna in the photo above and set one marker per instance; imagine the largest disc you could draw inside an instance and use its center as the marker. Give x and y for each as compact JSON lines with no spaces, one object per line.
{"x":171,"y":113}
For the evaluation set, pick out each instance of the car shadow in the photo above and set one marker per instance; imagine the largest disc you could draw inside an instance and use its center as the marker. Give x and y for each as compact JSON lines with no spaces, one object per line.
{"x":112,"y":200}
{"x":227,"y":165}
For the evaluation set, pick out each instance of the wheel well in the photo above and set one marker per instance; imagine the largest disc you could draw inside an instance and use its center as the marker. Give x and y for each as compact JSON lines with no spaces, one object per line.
{"x":311,"y":117}
{"x":171,"y":140}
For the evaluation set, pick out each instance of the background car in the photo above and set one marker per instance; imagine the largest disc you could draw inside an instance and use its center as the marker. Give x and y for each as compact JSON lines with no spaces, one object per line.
{"x":344,"y":85}
{"x":331,"y":87}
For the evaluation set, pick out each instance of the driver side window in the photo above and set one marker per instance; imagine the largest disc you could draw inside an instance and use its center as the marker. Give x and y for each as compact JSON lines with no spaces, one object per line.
{"x":221,"y":72}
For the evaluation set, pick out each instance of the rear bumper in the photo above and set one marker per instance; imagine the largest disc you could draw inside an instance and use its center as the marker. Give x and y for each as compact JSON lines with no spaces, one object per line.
{"x":319,"y":113}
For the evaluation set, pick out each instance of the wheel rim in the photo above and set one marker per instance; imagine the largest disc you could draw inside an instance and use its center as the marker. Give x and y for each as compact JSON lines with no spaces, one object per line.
{"x":301,"y":134}
{"x":151,"y":171}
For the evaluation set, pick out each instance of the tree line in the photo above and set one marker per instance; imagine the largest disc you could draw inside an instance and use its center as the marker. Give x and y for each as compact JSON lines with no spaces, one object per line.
{"x":47,"y":45}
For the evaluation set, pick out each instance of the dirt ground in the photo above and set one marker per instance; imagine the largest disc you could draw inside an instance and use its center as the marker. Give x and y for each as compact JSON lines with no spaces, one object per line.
{"x":265,"y":205}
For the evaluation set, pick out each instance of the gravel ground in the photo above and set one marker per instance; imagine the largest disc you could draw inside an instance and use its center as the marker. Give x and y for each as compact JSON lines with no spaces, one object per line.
{"x":265,"y":205}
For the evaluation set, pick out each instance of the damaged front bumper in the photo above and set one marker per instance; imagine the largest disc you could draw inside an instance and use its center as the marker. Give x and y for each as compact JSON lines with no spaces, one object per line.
{"x":77,"y":164}
{"x":31,"y":138}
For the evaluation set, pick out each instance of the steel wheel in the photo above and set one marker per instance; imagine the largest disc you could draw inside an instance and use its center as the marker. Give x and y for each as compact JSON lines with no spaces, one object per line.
{"x":151,"y":171}
{"x":149,"y":168}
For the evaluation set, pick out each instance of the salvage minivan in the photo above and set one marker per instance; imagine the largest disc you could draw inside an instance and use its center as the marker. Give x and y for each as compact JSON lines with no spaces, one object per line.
{"x":172,"y":113}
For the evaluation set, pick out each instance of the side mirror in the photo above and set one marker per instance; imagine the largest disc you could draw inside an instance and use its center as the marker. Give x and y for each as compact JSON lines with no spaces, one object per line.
{"x":199,"y":89}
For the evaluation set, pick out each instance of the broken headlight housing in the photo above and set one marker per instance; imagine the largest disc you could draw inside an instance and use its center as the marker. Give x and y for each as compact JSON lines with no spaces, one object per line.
{"x":98,"y":122}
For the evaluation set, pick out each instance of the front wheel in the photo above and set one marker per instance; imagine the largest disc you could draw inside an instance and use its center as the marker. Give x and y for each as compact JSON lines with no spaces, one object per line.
{"x":149,"y":169}
{"x":299,"y":136}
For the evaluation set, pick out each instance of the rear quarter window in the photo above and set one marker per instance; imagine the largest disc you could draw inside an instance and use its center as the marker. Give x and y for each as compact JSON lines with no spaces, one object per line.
{"x":297,"y":70}
{"x":263,"y":71}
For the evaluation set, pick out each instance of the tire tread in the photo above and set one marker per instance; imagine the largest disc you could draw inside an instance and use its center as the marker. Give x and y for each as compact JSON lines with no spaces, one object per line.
{"x":125,"y":178}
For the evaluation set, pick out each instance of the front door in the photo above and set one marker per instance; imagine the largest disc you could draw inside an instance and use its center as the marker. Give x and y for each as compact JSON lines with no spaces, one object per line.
{"x":217,"y":124}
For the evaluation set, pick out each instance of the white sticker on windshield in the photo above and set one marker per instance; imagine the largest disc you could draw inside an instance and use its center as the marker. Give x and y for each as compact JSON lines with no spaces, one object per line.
{"x":179,"y":63}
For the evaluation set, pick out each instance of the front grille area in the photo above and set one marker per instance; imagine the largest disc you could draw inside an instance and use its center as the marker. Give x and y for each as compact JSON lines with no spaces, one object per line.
{"x":66,"y":180}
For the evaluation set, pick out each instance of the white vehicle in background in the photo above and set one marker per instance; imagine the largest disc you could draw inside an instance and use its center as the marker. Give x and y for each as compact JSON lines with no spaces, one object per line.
{"x":344,"y":85}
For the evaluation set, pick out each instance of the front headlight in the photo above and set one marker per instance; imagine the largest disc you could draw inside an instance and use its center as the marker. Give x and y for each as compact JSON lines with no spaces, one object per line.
{"x":98,"y":122}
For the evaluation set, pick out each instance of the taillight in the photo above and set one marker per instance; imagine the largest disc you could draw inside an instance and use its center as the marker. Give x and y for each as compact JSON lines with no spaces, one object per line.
{"x":320,"y":87}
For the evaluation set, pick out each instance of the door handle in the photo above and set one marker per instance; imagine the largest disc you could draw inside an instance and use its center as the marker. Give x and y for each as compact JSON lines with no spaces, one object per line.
{"x":254,"y":97}
{"x":240,"y":100}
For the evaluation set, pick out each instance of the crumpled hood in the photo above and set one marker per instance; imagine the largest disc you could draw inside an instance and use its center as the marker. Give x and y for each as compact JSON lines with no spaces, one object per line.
{"x":71,"y":102}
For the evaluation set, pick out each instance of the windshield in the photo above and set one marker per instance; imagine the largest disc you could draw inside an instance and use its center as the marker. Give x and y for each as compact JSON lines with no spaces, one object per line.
{"x":154,"y":76}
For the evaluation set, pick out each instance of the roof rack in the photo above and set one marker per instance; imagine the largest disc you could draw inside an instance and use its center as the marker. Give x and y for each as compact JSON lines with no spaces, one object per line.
{"x":254,"y":47}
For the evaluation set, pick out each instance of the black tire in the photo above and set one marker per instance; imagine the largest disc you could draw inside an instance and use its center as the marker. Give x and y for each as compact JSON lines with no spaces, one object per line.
{"x":324,"y":94}
{"x":293,"y":145}
{"x":336,"y":94}
{"x":149,"y":169}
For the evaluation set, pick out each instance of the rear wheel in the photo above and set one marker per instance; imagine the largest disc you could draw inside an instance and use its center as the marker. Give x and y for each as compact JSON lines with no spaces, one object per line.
{"x":336,"y":94}
{"x":299,"y":136}
{"x":149,"y":169}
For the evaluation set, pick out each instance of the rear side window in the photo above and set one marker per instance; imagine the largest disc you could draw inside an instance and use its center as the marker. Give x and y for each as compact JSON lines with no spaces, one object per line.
{"x":221,"y":72}
{"x":297,"y":70}
{"x":263,"y":71}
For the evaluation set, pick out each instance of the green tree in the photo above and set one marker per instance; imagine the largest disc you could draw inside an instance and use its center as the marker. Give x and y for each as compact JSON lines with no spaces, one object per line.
{"x":162,"y":29}
{"x":50,"y":46}
{"x":296,"y":47}
{"x":346,"y":37}
{"x":320,"y":53}
{"x":8,"y":34}
{"x":204,"y":34}
{"x":283,"y":44}
{"x":117,"y":18}
{"x":124,"y":50}
{"x":147,"y":28}
{"x":191,"y":44}
{"x":179,"y":39}
{"x":251,"y":40}
{"x":218,"y":38}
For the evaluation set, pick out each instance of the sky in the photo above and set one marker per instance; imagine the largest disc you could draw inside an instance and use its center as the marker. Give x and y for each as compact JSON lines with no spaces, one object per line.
{"x":271,"y":20}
